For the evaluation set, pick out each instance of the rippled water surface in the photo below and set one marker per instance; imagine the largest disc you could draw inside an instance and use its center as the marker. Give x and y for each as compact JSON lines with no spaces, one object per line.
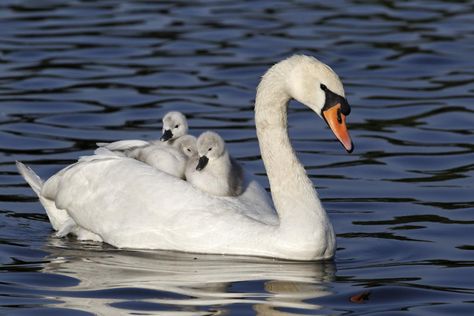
{"x":73,"y":73}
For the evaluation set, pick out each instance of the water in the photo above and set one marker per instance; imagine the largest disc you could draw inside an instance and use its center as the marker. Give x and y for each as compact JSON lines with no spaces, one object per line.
{"x":78,"y":72}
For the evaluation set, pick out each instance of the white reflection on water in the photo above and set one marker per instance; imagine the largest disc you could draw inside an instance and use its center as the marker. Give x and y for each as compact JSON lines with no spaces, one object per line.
{"x":187,"y":283}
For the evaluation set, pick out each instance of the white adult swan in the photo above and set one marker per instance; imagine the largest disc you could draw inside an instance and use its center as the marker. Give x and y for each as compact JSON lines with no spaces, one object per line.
{"x":129,"y":204}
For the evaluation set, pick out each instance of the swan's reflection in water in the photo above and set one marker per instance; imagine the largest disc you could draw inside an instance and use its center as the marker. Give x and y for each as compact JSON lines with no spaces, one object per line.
{"x":114,"y":282}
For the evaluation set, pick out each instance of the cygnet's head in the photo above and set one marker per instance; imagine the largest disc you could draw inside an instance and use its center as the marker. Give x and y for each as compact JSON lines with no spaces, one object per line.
{"x":174,"y":126}
{"x":188,"y":145}
{"x":210,"y":146}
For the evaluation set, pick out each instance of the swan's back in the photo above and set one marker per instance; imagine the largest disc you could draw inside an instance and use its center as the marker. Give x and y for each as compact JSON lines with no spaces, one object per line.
{"x":130,"y":204}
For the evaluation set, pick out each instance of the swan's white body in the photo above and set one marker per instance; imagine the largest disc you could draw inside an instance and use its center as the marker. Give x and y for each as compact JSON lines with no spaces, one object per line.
{"x":129,"y":204}
{"x":221,"y":175}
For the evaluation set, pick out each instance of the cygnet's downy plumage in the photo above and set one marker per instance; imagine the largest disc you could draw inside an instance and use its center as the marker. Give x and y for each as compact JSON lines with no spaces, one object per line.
{"x":175,"y":126}
{"x":170,"y":159}
{"x":188,"y":145}
{"x":164,"y":154}
{"x":212,"y":169}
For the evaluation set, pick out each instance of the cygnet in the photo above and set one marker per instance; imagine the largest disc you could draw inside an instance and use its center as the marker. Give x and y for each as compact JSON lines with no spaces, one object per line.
{"x":213,"y":170}
{"x":175,"y":126}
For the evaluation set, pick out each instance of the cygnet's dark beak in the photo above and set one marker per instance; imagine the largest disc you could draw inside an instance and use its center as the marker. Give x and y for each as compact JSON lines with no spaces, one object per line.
{"x":166,"y":135}
{"x":203,"y":160}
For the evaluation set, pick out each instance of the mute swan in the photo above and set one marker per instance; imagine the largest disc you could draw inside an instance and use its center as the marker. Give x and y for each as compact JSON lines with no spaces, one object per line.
{"x":129,"y":204}
{"x":213,"y":170}
{"x":175,"y":126}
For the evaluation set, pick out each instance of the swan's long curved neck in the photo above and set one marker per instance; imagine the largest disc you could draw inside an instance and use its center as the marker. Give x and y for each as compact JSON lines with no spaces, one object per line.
{"x":296,"y":201}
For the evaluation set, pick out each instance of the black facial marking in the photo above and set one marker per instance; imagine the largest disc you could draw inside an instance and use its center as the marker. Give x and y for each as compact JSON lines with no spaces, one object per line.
{"x":332,"y":99}
{"x":202,"y":163}
{"x":166,"y":135}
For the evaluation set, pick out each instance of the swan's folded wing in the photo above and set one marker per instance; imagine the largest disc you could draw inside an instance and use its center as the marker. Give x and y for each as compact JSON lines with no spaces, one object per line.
{"x":258,"y":204}
{"x":101,"y":153}
{"x":106,"y":195}
{"x":123,"y":145}
{"x":130,"y":204}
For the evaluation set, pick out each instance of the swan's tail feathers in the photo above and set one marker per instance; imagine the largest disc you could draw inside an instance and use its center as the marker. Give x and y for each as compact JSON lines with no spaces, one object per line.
{"x":102,"y":144}
{"x":66,"y":228}
{"x":60,"y":220}
{"x":31,"y":177}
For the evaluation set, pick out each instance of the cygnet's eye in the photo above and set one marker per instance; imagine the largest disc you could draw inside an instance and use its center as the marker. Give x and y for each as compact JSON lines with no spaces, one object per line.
{"x":176,"y":126}
{"x":323,"y":87}
{"x":188,"y":149}
{"x":210,"y":148}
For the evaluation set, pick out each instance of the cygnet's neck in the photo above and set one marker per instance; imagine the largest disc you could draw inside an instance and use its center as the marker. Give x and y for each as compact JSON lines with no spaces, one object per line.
{"x":221,"y":165}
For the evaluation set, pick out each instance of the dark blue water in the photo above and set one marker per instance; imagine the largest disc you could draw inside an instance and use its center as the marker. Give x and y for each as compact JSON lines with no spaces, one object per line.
{"x":73,"y":73}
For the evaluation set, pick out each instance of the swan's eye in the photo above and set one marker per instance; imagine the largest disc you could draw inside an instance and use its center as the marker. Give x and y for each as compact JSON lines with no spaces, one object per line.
{"x":210,"y":148}
{"x":323,"y":87}
{"x":189,"y":149}
{"x":176,"y":126}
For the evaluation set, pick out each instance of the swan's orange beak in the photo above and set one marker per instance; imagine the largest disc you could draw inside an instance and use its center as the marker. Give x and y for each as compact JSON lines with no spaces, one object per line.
{"x":337,"y":122}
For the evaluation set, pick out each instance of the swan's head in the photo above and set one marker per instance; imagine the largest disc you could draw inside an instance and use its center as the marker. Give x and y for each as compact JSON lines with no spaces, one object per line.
{"x":188,"y":145}
{"x":174,"y":126}
{"x":210,"y":146}
{"x":316,"y":85}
